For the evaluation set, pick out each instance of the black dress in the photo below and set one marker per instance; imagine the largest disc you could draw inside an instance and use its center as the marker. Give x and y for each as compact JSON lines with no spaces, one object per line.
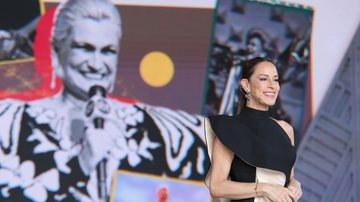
{"x":263,"y":151}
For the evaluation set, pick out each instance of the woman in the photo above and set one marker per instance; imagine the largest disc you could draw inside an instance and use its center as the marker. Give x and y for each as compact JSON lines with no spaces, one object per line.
{"x":253,"y":154}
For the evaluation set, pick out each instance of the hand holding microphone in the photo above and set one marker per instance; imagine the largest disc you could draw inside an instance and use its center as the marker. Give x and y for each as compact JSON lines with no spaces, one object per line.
{"x":96,"y":142}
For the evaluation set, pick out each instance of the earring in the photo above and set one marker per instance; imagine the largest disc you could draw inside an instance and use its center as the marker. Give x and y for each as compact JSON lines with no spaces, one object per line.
{"x":247,"y":95}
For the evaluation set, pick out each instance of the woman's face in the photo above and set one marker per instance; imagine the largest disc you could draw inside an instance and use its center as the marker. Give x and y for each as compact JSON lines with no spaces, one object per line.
{"x":263,"y":86}
{"x":88,"y":56}
{"x":255,"y":46}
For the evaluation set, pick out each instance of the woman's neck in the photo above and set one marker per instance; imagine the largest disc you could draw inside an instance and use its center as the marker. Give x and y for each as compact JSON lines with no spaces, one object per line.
{"x":72,"y":100}
{"x":258,"y":107}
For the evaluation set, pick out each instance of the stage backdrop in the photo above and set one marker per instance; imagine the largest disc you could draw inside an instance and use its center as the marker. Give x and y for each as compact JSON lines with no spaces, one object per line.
{"x":152,"y":123}
{"x":174,"y":65}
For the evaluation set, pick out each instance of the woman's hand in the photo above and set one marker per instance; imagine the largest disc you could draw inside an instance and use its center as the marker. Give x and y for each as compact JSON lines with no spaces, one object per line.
{"x":295,"y":187}
{"x":96,"y":145}
{"x":276,"y":193}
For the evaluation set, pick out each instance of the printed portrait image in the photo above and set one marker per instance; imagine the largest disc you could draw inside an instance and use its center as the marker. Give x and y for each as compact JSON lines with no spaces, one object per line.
{"x":246,"y":29}
{"x":94,"y":100}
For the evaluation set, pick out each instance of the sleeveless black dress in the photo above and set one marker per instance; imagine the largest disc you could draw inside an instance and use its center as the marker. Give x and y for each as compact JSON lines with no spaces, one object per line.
{"x":263,"y":151}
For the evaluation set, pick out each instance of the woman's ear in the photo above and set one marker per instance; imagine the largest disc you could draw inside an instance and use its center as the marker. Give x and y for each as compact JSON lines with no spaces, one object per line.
{"x":245,"y":85}
{"x":55,"y":61}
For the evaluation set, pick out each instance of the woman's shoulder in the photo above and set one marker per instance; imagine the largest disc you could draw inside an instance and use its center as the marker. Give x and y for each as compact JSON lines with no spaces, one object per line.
{"x":220,"y":117}
{"x":221,"y":120}
{"x":225,"y":124}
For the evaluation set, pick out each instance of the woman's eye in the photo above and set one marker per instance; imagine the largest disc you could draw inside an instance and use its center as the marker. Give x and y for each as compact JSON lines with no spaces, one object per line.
{"x":263,"y":79}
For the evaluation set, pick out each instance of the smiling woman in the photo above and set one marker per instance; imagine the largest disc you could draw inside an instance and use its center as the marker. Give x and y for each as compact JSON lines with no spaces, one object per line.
{"x":71,"y":138}
{"x":252,"y":154}
{"x":83,"y":59}
{"x":260,"y":85}
{"x":86,"y":59}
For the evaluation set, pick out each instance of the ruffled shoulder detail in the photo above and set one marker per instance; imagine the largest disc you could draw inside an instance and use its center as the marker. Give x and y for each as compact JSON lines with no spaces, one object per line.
{"x":257,"y":150}
{"x":237,"y":137}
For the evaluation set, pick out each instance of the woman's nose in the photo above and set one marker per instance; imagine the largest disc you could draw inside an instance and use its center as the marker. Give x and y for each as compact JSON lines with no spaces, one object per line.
{"x":95,"y":63}
{"x":271,"y":83}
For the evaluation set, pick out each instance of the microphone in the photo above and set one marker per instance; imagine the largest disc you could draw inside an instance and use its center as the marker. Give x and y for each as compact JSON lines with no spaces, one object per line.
{"x":96,"y":109}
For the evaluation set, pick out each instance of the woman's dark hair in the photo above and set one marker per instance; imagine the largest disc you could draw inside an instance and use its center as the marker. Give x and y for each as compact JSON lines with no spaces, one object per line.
{"x":248,"y":68}
{"x":259,"y":34}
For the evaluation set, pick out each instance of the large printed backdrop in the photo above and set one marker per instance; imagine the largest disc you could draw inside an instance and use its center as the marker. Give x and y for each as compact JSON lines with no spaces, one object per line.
{"x":164,"y":61}
{"x":174,"y":40}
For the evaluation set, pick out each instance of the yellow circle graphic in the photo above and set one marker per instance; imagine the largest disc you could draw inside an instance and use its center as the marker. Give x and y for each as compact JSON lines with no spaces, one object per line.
{"x":157,"y":69}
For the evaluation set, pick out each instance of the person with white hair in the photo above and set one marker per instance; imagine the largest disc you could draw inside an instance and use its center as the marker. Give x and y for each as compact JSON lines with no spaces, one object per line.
{"x":54,"y":150}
